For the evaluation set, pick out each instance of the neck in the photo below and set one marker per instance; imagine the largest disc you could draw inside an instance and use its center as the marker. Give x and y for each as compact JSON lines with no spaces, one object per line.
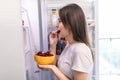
{"x":70,"y":39}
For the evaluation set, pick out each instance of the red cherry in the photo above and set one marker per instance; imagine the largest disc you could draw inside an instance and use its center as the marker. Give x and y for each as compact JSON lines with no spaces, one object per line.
{"x":44,"y":53}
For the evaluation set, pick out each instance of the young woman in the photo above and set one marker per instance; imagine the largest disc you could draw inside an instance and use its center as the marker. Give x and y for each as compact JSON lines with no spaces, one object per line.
{"x":76,"y":60}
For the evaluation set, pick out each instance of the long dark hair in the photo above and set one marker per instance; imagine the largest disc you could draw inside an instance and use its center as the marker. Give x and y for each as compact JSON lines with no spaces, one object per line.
{"x":73,"y":19}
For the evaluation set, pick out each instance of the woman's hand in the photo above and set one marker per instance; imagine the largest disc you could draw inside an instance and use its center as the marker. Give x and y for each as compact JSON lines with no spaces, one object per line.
{"x":45,"y":67}
{"x":53,"y":37}
{"x":55,"y":70}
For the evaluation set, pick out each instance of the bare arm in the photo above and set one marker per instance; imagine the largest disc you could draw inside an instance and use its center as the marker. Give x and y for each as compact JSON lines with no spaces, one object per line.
{"x":58,"y":73}
{"x":55,"y":70}
{"x":80,"y":75}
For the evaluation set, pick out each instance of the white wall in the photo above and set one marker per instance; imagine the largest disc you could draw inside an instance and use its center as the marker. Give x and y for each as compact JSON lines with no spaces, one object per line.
{"x":12,"y":64}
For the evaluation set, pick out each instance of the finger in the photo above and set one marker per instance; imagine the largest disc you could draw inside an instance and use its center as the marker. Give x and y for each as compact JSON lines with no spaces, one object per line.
{"x":40,"y":67}
{"x":53,"y":35}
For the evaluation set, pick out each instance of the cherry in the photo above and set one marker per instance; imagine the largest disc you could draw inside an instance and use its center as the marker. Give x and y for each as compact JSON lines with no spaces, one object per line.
{"x":44,"y":53}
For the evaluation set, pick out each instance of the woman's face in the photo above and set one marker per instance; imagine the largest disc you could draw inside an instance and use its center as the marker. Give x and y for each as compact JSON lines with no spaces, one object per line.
{"x":63,"y":31}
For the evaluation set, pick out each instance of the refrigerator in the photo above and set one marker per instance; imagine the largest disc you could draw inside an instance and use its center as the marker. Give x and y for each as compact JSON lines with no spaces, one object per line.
{"x":39,"y":18}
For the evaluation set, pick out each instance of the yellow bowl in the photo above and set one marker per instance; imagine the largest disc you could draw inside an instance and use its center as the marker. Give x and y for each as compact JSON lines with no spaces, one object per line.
{"x":44,"y":60}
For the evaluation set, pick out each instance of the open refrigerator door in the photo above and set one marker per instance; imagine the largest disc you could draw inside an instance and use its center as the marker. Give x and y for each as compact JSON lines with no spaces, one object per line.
{"x":32,"y":71}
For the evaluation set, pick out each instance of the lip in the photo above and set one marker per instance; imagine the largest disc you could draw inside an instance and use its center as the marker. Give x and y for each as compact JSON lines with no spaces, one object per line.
{"x":58,"y":31}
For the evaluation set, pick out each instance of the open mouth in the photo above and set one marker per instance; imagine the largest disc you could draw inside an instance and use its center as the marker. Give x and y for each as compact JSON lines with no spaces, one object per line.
{"x":58,"y":31}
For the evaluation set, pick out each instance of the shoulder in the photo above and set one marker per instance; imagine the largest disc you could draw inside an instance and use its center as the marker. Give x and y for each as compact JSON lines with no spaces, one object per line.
{"x":81,"y":48}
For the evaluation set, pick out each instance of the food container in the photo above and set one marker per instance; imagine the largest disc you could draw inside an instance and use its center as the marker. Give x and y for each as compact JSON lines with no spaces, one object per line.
{"x":44,"y":58}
